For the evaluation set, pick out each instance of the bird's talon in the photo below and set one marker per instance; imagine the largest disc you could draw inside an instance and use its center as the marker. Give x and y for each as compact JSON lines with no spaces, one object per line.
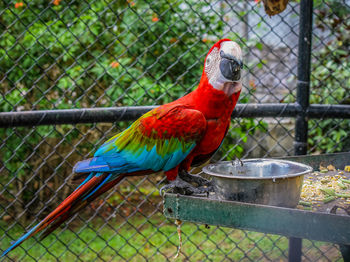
{"x":184,"y":188}
{"x":164,"y":189}
{"x":200,"y":181}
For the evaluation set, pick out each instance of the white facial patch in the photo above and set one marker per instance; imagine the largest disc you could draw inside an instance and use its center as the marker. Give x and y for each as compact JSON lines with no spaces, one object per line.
{"x":232,"y":48}
{"x":212,"y":62}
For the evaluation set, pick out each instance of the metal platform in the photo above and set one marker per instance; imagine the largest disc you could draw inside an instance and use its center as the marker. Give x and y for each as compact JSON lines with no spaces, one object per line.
{"x":290,"y":222}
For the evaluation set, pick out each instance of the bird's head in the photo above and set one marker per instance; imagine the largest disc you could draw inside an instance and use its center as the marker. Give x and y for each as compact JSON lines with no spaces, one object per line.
{"x":223,"y":66}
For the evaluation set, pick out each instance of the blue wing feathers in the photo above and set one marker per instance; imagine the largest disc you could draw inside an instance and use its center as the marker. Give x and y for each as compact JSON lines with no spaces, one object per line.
{"x":87,"y":166}
{"x":127,"y":162}
{"x":117,"y":156}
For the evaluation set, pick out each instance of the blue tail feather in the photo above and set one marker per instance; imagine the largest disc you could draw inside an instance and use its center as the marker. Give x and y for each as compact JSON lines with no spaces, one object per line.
{"x":98,"y":187}
{"x":20,"y":240}
{"x":86,"y":179}
{"x":37,"y":227}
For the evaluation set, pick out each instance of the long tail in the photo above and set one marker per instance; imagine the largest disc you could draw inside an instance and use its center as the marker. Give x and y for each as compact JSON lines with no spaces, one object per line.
{"x":93,"y":186}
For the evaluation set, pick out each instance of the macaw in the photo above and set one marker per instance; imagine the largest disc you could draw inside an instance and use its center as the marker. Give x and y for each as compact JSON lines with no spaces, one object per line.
{"x":170,"y":138}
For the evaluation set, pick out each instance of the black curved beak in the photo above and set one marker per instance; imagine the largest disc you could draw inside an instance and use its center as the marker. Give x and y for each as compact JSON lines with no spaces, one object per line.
{"x":230,"y":66}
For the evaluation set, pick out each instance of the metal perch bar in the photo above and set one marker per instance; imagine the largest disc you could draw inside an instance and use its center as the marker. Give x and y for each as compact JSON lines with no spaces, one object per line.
{"x":114,"y":114}
{"x":268,"y":219}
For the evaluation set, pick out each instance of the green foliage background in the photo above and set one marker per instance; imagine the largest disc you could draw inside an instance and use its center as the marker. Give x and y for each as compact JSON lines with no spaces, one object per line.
{"x":83,"y":54}
{"x":330,"y":78}
{"x":93,"y":54}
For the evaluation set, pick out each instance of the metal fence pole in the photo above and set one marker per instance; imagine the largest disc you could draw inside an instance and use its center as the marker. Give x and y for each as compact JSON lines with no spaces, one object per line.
{"x":303,"y":94}
{"x":303,"y":85}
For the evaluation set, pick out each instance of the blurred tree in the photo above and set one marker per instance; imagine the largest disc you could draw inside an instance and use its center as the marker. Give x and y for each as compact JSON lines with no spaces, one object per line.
{"x":70,"y":54}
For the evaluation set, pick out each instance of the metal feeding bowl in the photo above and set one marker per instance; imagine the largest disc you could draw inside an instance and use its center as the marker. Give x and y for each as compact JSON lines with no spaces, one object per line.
{"x":261,"y":181}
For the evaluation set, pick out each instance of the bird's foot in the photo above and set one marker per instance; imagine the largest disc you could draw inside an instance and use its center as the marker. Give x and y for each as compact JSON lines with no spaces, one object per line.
{"x":179,"y":186}
{"x":200,"y":181}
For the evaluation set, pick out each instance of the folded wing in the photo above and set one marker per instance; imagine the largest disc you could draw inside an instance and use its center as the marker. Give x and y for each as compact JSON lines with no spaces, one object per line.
{"x":159,"y":140}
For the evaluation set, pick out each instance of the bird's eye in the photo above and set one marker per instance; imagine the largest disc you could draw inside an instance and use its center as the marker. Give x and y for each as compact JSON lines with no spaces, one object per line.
{"x":208,"y":60}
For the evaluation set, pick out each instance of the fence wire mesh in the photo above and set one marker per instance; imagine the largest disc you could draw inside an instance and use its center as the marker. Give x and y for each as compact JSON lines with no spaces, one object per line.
{"x":68,"y":54}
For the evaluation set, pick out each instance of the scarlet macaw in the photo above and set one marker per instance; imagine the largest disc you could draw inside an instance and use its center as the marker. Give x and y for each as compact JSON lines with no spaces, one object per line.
{"x":169,"y":138}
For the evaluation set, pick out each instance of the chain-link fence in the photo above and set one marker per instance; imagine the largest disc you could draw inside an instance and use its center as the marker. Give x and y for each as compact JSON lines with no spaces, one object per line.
{"x":92,"y":54}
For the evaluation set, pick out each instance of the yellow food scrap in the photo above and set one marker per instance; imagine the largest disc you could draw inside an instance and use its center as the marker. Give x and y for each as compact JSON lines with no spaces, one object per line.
{"x":347,"y":168}
{"x":323,"y":169}
{"x":325,"y":180}
{"x":325,"y":188}
{"x":331,"y":168}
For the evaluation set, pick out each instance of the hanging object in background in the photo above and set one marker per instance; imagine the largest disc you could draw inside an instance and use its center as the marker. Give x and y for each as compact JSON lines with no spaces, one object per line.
{"x":274,"y":7}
